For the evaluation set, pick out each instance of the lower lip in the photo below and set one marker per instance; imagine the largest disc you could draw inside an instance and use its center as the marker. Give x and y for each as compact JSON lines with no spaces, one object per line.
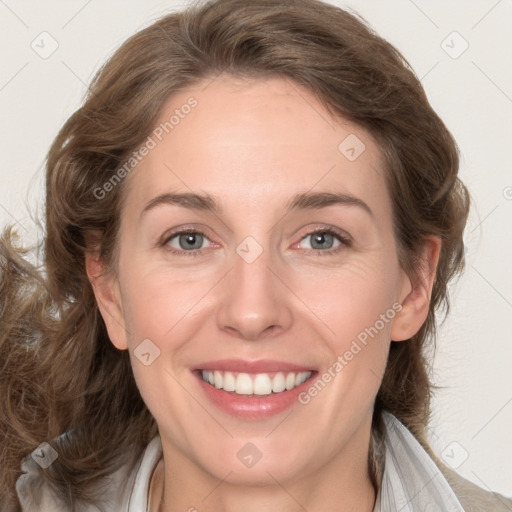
{"x":253,"y":407}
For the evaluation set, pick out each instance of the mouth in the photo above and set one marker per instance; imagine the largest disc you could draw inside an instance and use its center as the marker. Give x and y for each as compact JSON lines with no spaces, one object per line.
{"x":253,"y":390}
{"x":260,"y":384}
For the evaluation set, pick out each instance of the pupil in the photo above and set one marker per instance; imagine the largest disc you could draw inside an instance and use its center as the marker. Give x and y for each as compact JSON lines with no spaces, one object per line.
{"x":321,"y":240}
{"x":192,"y":239}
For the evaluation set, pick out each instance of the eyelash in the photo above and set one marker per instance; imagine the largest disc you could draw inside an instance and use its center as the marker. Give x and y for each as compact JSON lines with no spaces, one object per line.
{"x":344,"y":239}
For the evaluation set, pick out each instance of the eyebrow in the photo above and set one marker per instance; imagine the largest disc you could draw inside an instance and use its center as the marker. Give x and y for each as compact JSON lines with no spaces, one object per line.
{"x":301,"y":201}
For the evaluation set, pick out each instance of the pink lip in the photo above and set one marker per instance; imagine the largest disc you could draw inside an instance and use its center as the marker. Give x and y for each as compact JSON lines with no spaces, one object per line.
{"x":252,"y":407}
{"x":261,"y":366}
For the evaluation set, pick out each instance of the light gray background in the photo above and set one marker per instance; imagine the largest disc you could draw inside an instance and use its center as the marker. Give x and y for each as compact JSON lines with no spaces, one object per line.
{"x":472,"y":419}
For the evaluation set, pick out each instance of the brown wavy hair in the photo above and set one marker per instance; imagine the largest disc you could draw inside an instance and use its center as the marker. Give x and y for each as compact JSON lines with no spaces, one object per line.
{"x":61,"y":379}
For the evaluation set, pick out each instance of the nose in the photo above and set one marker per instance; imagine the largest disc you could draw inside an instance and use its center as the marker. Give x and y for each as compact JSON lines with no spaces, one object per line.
{"x":255,"y":303}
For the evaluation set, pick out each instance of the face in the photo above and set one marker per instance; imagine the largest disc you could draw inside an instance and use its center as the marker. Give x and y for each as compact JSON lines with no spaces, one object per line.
{"x":256,"y":250}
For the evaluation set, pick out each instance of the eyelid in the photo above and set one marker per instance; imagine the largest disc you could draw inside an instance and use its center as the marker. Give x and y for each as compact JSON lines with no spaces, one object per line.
{"x":343,"y":235}
{"x":180,"y":230}
{"x":344,"y":238}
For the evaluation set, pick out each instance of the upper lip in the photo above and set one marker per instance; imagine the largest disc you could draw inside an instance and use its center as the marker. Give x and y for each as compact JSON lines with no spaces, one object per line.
{"x":260,"y":366}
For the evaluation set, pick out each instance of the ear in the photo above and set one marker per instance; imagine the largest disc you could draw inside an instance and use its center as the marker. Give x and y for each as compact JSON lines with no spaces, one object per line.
{"x":108,"y":298}
{"x":416,"y":296}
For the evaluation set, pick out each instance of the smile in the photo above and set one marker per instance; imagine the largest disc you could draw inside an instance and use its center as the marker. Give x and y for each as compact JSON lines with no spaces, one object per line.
{"x":254,"y":384}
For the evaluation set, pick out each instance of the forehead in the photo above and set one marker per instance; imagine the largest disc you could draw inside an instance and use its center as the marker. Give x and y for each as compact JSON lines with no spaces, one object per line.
{"x":253,"y":140}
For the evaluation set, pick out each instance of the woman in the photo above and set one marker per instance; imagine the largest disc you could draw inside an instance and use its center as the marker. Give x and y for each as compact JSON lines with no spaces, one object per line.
{"x":250,"y":224}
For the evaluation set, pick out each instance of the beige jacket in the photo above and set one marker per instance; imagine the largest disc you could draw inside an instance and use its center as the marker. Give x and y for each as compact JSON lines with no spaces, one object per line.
{"x":472,"y":497}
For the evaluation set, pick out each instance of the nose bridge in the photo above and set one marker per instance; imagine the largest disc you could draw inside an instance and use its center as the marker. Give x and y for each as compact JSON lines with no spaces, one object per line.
{"x":253,"y":301}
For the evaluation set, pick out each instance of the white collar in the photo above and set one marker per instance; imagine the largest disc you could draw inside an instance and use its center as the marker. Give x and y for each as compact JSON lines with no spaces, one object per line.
{"x":138,"y":500}
{"x":411,"y":480}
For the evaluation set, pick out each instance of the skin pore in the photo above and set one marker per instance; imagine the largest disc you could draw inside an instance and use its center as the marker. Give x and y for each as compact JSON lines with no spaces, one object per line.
{"x":252,"y":146}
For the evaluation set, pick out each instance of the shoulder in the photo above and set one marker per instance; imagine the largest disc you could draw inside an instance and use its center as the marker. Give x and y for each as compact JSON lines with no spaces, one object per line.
{"x":33,"y":490}
{"x":122,"y":491}
{"x":414,"y":474}
{"x":472,"y":497}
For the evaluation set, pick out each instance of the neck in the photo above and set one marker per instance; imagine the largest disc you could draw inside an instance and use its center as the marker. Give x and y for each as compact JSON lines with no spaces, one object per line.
{"x":286,"y":497}
{"x":339,"y":486}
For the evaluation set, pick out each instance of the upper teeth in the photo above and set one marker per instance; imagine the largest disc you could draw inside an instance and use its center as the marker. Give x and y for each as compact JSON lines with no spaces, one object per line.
{"x":254,"y":384}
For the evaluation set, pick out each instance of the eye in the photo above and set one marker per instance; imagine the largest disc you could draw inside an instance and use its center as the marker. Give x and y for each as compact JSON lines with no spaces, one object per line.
{"x":322,"y":241}
{"x":186,"y":242}
{"x":325,"y":240}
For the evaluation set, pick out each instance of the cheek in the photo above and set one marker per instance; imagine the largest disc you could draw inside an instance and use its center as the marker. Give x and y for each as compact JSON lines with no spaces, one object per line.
{"x":157,"y":303}
{"x":352,"y":299}
{"x":160,"y":308}
{"x":356,"y":306}
{"x":344,"y":302}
